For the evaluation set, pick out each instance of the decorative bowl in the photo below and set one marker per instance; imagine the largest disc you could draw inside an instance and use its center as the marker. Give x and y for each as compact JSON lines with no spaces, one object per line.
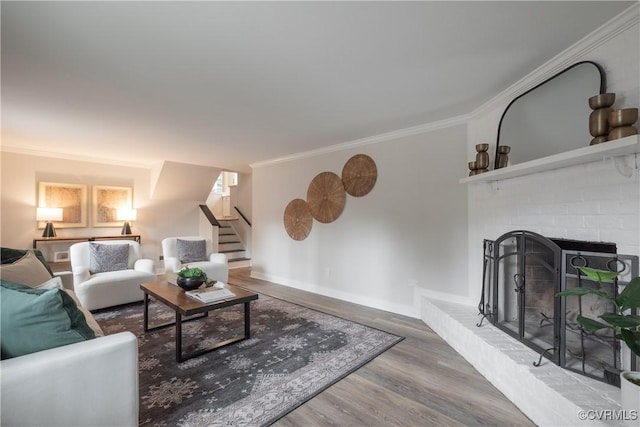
{"x":599,"y":140}
{"x":504,"y":149}
{"x":190,"y":283}
{"x":603,"y":100}
{"x":482,"y":147}
{"x":621,"y":132}
{"x":472,"y":166}
{"x":624,"y":117}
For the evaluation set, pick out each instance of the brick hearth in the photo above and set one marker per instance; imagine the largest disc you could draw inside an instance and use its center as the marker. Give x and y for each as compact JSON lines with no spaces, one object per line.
{"x":548,"y":395}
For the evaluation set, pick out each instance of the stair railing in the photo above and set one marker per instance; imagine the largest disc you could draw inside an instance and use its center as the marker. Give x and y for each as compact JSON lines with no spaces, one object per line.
{"x":210,"y":216}
{"x":242,"y":216}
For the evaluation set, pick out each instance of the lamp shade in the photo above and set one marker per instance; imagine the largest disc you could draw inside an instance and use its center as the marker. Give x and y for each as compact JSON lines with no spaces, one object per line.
{"x":49,"y":214}
{"x":126,"y":215}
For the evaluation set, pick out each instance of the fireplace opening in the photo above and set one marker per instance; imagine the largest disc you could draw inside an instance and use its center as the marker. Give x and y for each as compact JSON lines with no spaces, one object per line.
{"x":523,"y":271}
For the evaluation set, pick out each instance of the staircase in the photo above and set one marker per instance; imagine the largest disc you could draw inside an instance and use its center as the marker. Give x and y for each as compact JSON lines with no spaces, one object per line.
{"x":230,"y":244}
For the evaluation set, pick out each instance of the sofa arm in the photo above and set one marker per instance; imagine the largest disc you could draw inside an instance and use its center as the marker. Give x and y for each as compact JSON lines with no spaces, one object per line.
{"x":90,"y":383}
{"x":172,"y":264}
{"x":145,"y":265}
{"x":80,"y":274}
{"x":218,"y":257}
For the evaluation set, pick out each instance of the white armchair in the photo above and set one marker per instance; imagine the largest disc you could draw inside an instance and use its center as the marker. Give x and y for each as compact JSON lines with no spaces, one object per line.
{"x":215,"y":265}
{"x":108,"y":288}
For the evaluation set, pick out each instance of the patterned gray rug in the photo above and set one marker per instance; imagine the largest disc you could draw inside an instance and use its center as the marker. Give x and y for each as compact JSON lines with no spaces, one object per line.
{"x":293,"y":354}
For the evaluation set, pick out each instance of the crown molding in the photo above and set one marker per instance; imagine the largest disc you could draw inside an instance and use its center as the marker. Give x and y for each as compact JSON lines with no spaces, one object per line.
{"x":576,"y":52}
{"x":383,"y":137}
{"x":65,"y":156}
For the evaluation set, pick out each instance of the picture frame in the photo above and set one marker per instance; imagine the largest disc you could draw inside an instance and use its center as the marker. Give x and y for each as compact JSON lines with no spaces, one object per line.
{"x":106,"y":201}
{"x":72,"y":198}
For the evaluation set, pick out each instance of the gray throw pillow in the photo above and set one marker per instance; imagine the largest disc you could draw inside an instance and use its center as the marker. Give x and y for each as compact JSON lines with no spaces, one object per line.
{"x":28,"y":270}
{"x":105,"y":258}
{"x":191,"y":250}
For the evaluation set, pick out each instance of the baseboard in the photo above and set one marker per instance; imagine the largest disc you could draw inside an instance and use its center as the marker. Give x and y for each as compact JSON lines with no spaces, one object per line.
{"x":404,"y":310}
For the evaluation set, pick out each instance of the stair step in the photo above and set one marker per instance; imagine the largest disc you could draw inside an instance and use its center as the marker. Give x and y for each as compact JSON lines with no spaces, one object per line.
{"x":240,"y":262}
{"x":231,"y":251}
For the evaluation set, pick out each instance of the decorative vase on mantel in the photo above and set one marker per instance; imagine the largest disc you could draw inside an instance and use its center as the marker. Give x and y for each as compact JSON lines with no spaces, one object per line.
{"x":599,"y":117}
{"x":621,"y":123}
{"x":502,"y":159}
{"x":481,"y":164}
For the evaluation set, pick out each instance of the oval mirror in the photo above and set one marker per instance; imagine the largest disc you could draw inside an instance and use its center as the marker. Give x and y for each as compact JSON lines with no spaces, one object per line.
{"x":552,"y":117}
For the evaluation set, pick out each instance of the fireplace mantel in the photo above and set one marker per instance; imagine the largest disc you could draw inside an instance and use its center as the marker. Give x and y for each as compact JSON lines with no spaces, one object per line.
{"x":592,"y":153}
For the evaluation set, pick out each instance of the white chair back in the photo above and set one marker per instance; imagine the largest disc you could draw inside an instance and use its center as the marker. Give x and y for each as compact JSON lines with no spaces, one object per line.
{"x":80,"y":254}
{"x":170,"y":249}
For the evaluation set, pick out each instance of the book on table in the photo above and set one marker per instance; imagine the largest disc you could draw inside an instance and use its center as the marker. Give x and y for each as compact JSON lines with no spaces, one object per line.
{"x":210,"y":295}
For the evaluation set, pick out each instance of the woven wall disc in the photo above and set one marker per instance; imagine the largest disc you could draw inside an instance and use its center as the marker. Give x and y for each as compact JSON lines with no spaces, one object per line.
{"x":359,"y":175}
{"x":326,"y":197}
{"x":298,"y":219}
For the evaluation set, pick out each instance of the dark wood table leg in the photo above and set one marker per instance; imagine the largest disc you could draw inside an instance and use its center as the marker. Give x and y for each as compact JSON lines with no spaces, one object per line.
{"x":178,"y":337}
{"x":146,"y":312}
{"x":180,"y":357}
{"x":247,"y":319}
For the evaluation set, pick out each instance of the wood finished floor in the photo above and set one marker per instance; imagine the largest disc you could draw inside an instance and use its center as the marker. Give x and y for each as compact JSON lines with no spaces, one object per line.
{"x":419,"y":382}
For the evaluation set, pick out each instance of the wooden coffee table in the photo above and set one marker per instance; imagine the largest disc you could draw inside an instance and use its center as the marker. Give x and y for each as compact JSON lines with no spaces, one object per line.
{"x":175,"y":298}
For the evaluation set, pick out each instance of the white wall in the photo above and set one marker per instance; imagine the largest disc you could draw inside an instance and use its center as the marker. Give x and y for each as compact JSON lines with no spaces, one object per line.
{"x":155,"y":219}
{"x":587,"y":202}
{"x":408,"y":233}
{"x":241,"y":196}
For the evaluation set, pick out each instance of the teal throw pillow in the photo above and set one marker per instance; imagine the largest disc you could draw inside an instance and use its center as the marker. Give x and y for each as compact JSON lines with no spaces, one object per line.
{"x":33,"y":320}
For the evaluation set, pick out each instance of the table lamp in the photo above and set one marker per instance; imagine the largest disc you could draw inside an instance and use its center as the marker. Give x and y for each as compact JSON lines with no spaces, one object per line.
{"x":126,"y":215}
{"x":48,"y":215}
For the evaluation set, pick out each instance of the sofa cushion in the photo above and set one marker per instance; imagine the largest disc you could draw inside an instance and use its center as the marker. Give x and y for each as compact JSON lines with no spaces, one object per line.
{"x":91,"y":321}
{"x":191,"y":250}
{"x":104,"y":258}
{"x":38,"y":319}
{"x":53,"y":283}
{"x":10,"y":255}
{"x":28,"y":270}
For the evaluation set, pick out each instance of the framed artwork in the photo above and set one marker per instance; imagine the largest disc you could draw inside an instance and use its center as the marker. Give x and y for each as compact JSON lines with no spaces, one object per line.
{"x":72,"y":198}
{"x":106,"y":202}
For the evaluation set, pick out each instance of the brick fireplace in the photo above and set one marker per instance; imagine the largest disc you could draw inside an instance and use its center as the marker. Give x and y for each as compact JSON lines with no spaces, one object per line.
{"x":589,"y":202}
{"x":597,"y":201}
{"x":523,"y":272}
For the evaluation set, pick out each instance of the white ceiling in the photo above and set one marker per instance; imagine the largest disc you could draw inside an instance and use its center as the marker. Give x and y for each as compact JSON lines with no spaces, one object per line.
{"x":228,"y":84}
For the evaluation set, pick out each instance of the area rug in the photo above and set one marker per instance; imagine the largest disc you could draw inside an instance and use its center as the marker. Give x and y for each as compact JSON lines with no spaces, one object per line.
{"x":293,"y":354}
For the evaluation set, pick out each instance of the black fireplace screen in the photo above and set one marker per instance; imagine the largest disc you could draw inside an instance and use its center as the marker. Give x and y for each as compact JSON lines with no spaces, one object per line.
{"x":522,"y":273}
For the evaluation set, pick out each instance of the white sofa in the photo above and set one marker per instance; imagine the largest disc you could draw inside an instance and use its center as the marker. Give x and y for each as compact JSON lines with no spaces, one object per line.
{"x":90,"y":383}
{"x":216,"y":266}
{"x":86,"y":382}
{"x":109,"y":288}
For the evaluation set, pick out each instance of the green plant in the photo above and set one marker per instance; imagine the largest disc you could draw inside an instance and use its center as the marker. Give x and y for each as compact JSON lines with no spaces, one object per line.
{"x":192,"y":272}
{"x":196,"y":272}
{"x":626,"y":326}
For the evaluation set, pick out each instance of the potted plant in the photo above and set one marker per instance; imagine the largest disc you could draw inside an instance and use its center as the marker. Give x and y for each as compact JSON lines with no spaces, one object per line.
{"x":626,"y":326}
{"x":190,"y":278}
